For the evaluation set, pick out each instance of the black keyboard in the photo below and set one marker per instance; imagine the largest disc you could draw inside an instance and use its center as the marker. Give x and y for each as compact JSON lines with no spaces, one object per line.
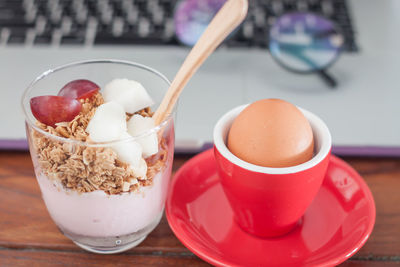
{"x":93,"y":22}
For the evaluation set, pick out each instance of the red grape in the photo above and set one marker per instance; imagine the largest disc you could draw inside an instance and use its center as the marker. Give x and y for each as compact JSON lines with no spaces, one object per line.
{"x":50,"y":109}
{"x":79,"y":89}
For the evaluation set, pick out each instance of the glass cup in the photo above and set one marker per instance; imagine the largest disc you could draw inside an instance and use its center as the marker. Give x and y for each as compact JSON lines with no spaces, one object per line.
{"x":94,"y":198}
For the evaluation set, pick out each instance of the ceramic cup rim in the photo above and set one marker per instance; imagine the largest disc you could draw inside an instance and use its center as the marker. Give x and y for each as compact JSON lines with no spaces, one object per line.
{"x":320,"y":131}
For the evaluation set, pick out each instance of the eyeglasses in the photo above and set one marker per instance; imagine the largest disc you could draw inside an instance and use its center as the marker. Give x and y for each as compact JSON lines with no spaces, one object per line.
{"x":306,"y":43}
{"x":301,"y":42}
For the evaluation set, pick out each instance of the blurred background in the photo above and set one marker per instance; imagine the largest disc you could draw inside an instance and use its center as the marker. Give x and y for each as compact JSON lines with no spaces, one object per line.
{"x":336,"y":58}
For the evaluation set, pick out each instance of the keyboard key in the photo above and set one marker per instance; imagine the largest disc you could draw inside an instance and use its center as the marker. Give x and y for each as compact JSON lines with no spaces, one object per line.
{"x":4,"y":36}
{"x":248,"y":29}
{"x":143,"y":27}
{"x":118,"y":26}
{"x":277,"y":7}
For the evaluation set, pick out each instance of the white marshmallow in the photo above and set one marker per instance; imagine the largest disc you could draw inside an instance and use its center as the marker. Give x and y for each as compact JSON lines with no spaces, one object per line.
{"x":125,"y":186}
{"x":108,"y":123}
{"x":129,"y":151}
{"x":130,"y":94}
{"x":133,"y":181}
{"x":141,"y":172}
{"x":137,"y":125}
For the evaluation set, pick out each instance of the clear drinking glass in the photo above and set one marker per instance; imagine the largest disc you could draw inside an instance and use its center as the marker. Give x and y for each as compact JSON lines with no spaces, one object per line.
{"x":95,"y":219}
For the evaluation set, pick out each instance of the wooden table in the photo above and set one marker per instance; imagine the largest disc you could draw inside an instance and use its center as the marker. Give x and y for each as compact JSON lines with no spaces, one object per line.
{"x":28,"y":237}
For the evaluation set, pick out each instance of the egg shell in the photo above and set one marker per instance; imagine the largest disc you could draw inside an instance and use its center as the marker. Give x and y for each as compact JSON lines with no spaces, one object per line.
{"x":271,"y":133}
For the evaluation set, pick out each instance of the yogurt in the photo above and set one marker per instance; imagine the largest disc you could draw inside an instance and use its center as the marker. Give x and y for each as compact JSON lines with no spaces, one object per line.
{"x":98,"y":214}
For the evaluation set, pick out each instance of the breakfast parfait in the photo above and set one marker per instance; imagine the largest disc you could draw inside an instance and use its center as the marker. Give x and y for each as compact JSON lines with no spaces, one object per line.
{"x":102,"y":165}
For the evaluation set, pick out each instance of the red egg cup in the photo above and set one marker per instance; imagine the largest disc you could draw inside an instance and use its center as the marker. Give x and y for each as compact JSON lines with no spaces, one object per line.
{"x":269,"y":202}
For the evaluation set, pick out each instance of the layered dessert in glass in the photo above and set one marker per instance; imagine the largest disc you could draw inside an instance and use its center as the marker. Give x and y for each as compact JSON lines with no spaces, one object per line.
{"x":102,"y":165}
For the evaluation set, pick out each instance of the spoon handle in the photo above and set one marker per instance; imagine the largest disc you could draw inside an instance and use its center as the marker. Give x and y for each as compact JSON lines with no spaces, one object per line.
{"x":225,"y":21}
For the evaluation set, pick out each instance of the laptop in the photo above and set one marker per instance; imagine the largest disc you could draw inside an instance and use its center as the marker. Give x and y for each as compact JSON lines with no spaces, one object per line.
{"x":361,"y":111}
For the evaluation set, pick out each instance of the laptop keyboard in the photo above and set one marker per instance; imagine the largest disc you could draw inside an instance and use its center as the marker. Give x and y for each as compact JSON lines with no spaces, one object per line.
{"x":129,"y":22}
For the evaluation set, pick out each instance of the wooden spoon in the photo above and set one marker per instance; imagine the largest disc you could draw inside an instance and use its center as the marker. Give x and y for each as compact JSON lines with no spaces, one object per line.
{"x":225,"y":21}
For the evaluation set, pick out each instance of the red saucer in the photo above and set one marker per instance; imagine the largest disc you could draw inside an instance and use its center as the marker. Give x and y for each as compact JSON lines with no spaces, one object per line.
{"x":335,"y":226}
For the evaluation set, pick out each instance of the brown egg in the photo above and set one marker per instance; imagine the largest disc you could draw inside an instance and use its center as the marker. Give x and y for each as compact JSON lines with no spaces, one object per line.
{"x":271,"y":133}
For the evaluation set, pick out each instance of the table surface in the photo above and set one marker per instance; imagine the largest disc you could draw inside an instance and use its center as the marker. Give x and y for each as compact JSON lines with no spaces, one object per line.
{"x":29,"y":237}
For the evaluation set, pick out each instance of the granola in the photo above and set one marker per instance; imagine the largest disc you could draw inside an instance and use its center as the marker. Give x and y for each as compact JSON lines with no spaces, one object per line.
{"x":84,"y":168}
